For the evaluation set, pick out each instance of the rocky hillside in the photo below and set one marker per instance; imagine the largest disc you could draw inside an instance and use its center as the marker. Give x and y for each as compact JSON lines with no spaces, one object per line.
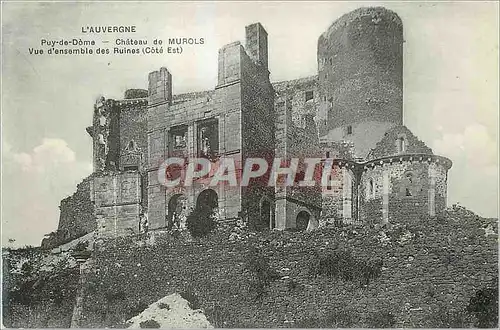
{"x":422,"y":272}
{"x":39,"y":288}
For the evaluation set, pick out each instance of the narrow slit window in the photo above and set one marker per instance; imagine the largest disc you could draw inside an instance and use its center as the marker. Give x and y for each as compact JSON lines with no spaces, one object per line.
{"x":401,"y":143}
{"x":309,"y":95}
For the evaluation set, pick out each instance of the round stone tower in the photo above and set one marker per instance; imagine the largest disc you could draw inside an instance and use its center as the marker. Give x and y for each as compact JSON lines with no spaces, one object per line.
{"x":360,"y":74}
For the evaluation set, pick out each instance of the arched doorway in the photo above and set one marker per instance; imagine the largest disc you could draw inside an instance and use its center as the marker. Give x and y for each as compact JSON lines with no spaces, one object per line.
{"x":207,"y":199}
{"x":302,"y":221}
{"x":177,"y":209}
{"x":265,"y":213}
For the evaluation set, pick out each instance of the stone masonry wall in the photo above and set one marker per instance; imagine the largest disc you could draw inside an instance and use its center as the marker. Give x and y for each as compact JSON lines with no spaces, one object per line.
{"x":77,"y":216}
{"x":117,"y":198}
{"x":298,"y":91}
{"x":388,"y":144}
{"x":392,"y":190}
{"x":360,"y":77}
{"x":337,"y":198}
{"x":360,"y":67}
{"x":362,"y":135}
{"x":297,"y":137}
{"x":133,"y":133}
{"x":222,"y":105}
{"x":105,"y":132}
{"x":133,"y":138}
{"x":257,"y":134}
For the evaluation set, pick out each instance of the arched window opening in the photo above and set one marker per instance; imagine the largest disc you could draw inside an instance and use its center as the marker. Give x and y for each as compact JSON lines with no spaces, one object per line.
{"x":207,"y":198}
{"x":371,"y":189}
{"x":329,"y":182}
{"x":131,"y":146}
{"x":176,"y":212}
{"x":410,"y":180}
{"x":401,"y":144}
{"x":302,"y":221}
{"x":409,"y":177}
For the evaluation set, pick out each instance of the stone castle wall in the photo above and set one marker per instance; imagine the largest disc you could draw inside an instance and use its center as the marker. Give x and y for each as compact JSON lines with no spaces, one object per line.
{"x":77,"y":216}
{"x":360,"y":67}
{"x":105,"y":133}
{"x":117,"y":198}
{"x":240,"y":107}
{"x":415,"y":184}
{"x":339,"y":196}
{"x":297,"y":138}
{"x":298,"y":92}
{"x":360,"y":73}
{"x":120,"y":158}
{"x":257,"y":125}
{"x":133,"y":140}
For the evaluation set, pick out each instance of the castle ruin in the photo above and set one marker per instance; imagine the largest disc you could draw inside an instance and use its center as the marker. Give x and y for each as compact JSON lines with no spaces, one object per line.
{"x":349,"y":115}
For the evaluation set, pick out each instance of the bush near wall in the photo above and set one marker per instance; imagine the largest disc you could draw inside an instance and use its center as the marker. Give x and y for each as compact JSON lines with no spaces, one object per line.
{"x":201,"y":221}
{"x":429,"y":267}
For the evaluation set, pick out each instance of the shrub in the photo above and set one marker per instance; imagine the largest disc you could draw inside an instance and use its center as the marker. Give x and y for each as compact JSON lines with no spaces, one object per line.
{"x":381,"y":320}
{"x":292,"y":285}
{"x":258,"y":264}
{"x":23,"y":294}
{"x":201,"y":221}
{"x":135,"y":309}
{"x":309,"y":323}
{"x":484,"y":307}
{"x":27,"y":268}
{"x":191,"y":298}
{"x":114,"y":296}
{"x":151,"y":324}
{"x":342,"y":265}
{"x":443,"y":318}
{"x":340,"y":318}
{"x":163,"y":306}
{"x":216,"y":316}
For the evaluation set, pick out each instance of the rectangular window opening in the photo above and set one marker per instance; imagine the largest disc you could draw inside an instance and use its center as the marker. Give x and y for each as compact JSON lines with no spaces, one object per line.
{"x":401,"y":145}
{"x":178,"y":137}
{"x":208,"y":138}
{"x":329,"y":183}
{"x":309,"y":95}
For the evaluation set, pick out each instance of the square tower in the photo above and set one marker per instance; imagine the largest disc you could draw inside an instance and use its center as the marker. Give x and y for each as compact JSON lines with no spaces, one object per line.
{"x":256,"y":44}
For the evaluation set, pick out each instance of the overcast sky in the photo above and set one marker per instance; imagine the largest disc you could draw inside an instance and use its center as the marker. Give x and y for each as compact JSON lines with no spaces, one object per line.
{"x":450,"y":86}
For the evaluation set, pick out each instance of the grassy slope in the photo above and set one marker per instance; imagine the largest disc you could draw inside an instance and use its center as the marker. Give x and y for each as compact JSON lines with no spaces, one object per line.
{"x":35,"y":295}
{"x":422,"y":273}
{"x":430,"y":269}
